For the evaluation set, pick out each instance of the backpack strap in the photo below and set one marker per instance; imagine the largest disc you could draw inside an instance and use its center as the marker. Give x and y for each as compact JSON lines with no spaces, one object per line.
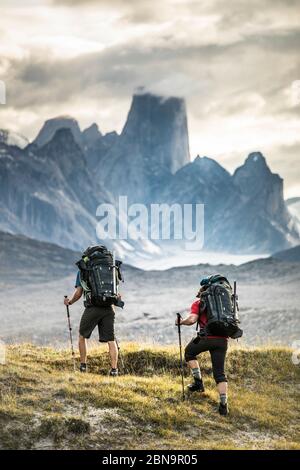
{"x":202,"y":307}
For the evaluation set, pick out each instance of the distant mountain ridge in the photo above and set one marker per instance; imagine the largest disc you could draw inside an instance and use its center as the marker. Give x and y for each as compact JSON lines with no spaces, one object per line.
{"x":24,"y":258}
{"x":28,"y":260}
{"x":50,"y":189}
{"x":50,"y":127}
{"x":292,"y":255}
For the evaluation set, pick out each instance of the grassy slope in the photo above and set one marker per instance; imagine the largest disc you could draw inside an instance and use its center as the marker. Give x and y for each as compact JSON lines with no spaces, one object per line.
{"x":45,"y":405}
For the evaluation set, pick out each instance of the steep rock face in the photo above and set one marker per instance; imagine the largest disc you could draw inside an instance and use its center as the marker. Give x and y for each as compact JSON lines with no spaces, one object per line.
{"x":262,"y":187}
{"x":158,"y":126}
{"x":203,"y":181}
{"x":152,"y":146}
{"x":242,"y":213}
{"x":259,"y":220}
{"x":97,"y":150}
{"x":293,"y":206}
{"x":63,"y":151}
{"x":48,"y":194}
{"x":90,"y":135}
{"x":52,"y":125}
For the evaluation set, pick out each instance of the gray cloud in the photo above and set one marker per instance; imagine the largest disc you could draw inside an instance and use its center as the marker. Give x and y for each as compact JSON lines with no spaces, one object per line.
{"x":125,"y":66}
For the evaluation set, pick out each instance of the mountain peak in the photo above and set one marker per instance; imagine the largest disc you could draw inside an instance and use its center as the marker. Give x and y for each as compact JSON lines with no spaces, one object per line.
{"x":256,"y":159}
{"x":255,"y":166}
{"x":207,"y":164}
{"x":90,"y":135}
{"x":205,"y":161}
{"x":92,"y":128}
{"x":62,"y":146}
{"x":62,"y":117}
{"x":156,"y":127}
{"x":63,"y":135}
{"x":52,"y":125}
{"x":62,"y":150}
{"x":264,"y":188}
{"x":144,"y":95}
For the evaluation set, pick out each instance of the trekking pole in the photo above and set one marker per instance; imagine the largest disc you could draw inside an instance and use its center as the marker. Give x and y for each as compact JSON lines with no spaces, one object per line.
{"x":120,"y":355}
{"x":234,"y":299}
{"x":71,"y":336}
{"x":114,"y":275}
{"x":180,"y":349}
{"x":235,"y":302}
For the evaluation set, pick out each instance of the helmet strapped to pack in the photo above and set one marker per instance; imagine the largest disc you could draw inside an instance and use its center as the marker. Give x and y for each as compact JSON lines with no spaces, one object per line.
{"x":207,"y":281}
{"x":100,"y":274}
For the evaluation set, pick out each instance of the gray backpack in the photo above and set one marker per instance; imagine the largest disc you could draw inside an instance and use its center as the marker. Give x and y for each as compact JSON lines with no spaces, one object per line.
{"x":100,"y":274}
{"x":221,"y":306}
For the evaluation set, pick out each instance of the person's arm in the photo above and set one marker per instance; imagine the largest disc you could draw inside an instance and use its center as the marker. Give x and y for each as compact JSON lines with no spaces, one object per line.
{"x":74,"y":297}
{"x":190,"y":320}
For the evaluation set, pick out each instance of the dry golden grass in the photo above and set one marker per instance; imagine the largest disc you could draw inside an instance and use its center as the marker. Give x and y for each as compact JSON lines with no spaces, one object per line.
{"x":44,"y":404}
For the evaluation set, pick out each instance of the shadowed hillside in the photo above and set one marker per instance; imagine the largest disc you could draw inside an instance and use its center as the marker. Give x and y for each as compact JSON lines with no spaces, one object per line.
{"x":292,"y":255}
{"x":24,"y":259}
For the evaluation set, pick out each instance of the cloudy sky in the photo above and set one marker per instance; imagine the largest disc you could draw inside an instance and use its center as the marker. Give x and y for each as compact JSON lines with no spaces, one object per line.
{"x":236,"y":62}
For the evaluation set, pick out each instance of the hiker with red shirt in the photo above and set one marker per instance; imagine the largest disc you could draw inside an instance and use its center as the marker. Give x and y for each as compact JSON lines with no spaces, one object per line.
{"x":217,"y":347}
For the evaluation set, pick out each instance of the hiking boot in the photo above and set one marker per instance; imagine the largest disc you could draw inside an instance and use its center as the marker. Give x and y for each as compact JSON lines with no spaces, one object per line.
{"x":114,"y":372}
{"x":83,"y":368}
{"x":223,"y":409}
{"x":197,"y":386}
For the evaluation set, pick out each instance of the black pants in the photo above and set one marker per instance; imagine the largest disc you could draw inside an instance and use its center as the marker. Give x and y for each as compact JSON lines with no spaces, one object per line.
{"x":217,"y":348}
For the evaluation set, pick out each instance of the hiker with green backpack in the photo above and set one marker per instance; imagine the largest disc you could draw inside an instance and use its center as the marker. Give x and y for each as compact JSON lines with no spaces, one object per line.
{"x":215,"y":312}
{"x":97,"y":280}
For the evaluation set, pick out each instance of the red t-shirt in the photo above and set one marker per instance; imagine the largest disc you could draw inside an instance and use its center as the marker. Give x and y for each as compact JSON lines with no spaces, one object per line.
{"x":195,"y":310}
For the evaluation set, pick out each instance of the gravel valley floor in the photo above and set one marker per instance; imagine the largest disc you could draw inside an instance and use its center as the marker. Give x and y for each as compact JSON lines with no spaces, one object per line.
{"x":269,"y":298}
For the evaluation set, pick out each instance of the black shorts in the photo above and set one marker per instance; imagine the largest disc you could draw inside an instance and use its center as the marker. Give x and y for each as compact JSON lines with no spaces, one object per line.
{"x":103,"y":317}
{"x":217,"y":348}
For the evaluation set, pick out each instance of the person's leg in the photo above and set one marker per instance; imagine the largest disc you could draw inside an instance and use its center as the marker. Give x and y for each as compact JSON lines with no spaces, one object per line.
{"x":195,"y":369}
{"x":195,"y":347}
{"x":218,"y":355}
{"x":82,"y":349}
{"x":113,"y":354}
{"x":223,"y":392}
{"x":88,"y":322}
{"x":107,"y":334}
{"x":222,"y":388}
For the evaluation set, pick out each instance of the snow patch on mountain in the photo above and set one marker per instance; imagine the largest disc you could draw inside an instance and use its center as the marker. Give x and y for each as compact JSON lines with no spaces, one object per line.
{"x":13,"y":138}
{"x":293,"y":206}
